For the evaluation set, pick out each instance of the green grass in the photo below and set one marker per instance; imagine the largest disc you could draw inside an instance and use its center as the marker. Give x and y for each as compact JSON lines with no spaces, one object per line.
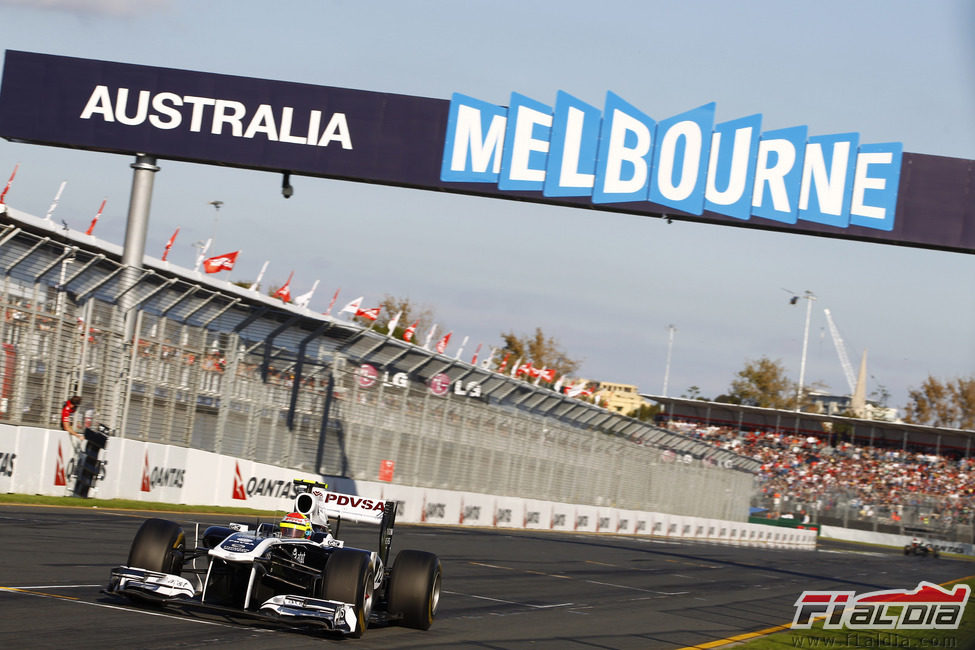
{"x":125,"y":504}
{"x":961,"y":639}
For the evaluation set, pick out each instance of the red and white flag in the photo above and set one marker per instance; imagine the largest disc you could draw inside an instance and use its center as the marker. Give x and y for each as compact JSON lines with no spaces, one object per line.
{"x":410,"y":332}
{"x":305,"y":299}
{"x":525,"y":369}
{"x":169,"y":244}
{"x":476,"y":352}
{"x":352,"y":307}
{"x":442,"y":343}
{"x":284,"y":293}
{"x":95,"y":220}
{"x":335,"y":297}
{"x":547,"y":375}
{"x":370,"y":314}
{"x":515,"y":366}
{"x":504,"y":363}
{"x":394,"y":321}
{"x":9,"y":183}
{"x":260,"y":276}
{"x":220,"y":262}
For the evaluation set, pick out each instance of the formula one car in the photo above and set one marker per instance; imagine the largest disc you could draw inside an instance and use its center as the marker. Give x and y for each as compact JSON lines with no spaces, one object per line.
{"x":295,"y":571}
{"x":917,"y":547}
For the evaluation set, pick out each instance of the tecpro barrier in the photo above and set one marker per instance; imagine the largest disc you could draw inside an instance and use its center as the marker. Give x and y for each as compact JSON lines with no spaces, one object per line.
{"x":41,"y":461}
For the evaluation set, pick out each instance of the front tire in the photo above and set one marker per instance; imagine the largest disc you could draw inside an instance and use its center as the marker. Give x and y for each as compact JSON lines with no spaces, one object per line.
{"x":414,"y":588}
{"x":349,"y":579}
{"x":158,"y":546}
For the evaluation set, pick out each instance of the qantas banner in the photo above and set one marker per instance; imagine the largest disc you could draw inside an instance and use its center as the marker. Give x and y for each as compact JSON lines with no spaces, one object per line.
{"x":563,"y":150}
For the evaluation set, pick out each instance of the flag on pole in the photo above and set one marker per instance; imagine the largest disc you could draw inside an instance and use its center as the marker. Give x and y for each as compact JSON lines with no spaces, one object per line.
{"x":410,"y":331}
{"x":202,"y":255}
{"x":335,"y":296}
{"x":284,"y":293}
{"x":394,"y":321}
{"x":460,"y":350}
{"x":547,"y":375}
{"x":95,"y":220}
{"x":219,"y":263}
{"x":169,"y":244}
{"x":476,"y":352}
{"x":260,"y":276}
{"x":429,"y":337}
{"x":3,"y":194}
{"x":442,"y":343}
{"x":352,"y":307}
{"x":504,"y":363}
{"x":54,"y":204}
{"x":515,"y":366}
{"x":489,"y":359}
{"x":304,"y":299}
{"x":371,"y":314}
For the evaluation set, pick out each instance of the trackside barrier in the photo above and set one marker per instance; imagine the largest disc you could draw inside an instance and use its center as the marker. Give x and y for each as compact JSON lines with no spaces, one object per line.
{"x":39,"y":461}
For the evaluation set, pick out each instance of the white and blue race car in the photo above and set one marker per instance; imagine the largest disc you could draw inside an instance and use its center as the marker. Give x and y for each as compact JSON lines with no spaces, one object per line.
{"x":314,"y":579}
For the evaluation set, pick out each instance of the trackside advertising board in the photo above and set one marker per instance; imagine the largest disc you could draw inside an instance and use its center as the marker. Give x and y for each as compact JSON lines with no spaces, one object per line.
{"x":696,"y":165}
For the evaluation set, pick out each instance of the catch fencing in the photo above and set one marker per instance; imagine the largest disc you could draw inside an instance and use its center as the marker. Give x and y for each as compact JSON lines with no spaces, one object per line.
{"x":166,"y":355}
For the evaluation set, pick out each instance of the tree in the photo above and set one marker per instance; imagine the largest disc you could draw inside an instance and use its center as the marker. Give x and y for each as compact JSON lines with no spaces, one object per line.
{"x":694,"y":392}
{"x":943,"y":404}
{"x":411,"y":313}
{"x":543,"y":352}
{"x":646,"y":412}
{"x":762,"y":383}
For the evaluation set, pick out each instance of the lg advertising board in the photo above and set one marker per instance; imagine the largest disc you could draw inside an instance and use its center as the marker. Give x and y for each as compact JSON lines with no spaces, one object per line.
{"x":609,"y":157}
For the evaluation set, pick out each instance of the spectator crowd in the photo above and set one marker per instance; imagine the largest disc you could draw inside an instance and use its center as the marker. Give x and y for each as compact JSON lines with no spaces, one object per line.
{"x":806,"y":475}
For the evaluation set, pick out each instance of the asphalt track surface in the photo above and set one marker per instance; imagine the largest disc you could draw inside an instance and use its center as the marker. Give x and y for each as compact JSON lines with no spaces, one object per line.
{"x":500,"y":589}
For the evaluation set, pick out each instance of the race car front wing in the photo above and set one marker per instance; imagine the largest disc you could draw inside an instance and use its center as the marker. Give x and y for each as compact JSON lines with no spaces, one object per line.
{"x":163,"y":587}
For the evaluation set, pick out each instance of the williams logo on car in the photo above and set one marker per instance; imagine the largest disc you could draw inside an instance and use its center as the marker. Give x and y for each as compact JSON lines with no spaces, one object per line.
{"x":161,"y":476}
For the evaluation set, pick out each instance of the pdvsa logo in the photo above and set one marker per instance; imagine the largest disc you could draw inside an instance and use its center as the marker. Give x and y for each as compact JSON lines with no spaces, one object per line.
{"x":928,"y":607}
{"x":619,"y":154}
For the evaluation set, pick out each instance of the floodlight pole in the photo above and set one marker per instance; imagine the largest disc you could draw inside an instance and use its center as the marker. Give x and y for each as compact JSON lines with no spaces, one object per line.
{"x":805,"y":340}
{"x":670,"y":346}
{"x":136,"y":229}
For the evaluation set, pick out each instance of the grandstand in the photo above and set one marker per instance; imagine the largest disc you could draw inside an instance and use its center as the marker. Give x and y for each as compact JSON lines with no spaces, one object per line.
{"x":212,"y":366}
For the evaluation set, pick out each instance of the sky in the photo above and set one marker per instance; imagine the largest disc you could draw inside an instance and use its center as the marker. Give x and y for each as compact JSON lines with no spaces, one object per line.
{"x":606,"y":286}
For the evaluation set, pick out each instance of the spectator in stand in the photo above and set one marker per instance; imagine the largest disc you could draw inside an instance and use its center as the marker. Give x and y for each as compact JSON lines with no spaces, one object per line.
{"x":67,"y":416}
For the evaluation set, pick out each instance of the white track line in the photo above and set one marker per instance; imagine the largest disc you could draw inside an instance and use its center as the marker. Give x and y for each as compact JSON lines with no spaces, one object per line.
{"x":71,"y":599}
{"x":509,"y":602}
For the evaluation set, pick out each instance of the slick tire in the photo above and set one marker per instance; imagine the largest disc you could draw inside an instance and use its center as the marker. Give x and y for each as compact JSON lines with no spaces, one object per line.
{"x":158,"y":546}
{"x":414,"y":588}
{"x":349,"y":579}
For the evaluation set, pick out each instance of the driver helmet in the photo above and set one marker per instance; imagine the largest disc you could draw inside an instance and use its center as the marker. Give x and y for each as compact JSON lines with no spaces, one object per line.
{"x":296,"y":525}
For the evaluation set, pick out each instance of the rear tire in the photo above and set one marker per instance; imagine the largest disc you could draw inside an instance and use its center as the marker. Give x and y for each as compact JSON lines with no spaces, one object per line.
{"x":158,"y":546}
{"x":349,"y":579}
{"x":414,"y":588}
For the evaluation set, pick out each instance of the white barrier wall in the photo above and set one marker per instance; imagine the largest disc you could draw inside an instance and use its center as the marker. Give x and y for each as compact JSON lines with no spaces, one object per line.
{"x":41,"y":461}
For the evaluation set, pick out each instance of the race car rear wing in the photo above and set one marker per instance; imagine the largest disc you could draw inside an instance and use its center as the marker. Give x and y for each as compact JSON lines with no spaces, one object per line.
{"x":319,"y":505}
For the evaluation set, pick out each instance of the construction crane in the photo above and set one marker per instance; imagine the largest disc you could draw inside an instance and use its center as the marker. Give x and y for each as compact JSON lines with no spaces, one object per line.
{"x":841,"y":352}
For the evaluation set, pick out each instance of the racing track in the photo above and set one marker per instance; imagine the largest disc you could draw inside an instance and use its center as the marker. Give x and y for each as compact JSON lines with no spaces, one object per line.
{"x":501,"y":589}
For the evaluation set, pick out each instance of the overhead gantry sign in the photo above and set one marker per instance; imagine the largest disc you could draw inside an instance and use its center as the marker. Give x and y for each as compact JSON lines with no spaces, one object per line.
{"x":610,"y":158}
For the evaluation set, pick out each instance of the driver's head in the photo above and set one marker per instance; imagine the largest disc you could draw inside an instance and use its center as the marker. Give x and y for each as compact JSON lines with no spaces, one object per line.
{"x":296,"y":525}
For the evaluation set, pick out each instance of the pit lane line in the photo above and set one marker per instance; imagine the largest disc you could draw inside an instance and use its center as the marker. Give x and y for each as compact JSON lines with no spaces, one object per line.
{"x":26,"y":591}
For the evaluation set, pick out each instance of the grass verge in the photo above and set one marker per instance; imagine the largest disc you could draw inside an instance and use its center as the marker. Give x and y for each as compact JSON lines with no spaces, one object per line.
{"x":125,"y":504}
